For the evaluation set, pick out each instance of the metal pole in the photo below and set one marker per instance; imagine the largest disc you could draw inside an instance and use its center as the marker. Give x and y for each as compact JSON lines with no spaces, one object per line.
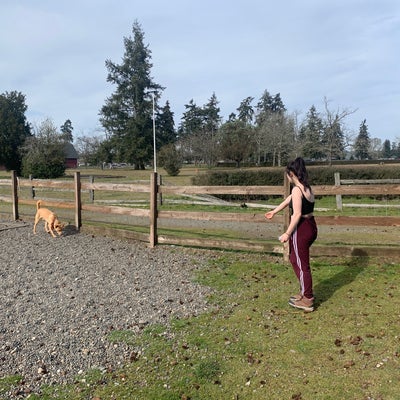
{"x":154,"y":139}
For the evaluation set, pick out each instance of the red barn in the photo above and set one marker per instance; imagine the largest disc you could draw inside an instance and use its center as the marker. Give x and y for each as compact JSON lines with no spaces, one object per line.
{"x":71,"y":156}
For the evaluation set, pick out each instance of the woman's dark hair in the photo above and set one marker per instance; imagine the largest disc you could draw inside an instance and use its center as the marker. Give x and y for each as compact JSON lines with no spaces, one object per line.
{"x":298,"y":167}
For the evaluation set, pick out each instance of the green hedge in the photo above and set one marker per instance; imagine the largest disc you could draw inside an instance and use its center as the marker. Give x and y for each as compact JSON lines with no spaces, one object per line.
{"x":319,"y":175}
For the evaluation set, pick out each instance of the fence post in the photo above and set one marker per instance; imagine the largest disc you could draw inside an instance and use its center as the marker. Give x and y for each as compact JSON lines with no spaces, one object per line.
{"x":160,"y":195}
{"x":14,"y":194}
{"x":91,"y":191}
{"x":78,"y":202}
{"x":153,"y":209}
{"x":32,"y":187}
{"x":286,"y":215}
{"x":339,"y":204}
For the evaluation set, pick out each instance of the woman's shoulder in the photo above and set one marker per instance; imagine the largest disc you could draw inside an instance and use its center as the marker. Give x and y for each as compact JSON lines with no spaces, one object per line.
{"x":303,"y":191}
{"x":297,"y":191}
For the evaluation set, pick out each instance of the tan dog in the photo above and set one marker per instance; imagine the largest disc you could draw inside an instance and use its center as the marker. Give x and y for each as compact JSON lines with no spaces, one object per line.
{"x":51,"y":221}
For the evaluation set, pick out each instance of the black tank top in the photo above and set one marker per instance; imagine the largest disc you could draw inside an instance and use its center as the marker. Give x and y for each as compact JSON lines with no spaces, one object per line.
{"x":307,"y":206}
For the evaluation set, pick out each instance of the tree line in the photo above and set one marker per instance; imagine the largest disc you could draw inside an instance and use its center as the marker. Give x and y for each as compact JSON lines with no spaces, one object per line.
{"x":37,"y":151}
{"x":258,"y":132}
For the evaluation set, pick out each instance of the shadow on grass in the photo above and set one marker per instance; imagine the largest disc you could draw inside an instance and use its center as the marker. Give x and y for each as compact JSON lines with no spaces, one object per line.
{"x":326,"y":288}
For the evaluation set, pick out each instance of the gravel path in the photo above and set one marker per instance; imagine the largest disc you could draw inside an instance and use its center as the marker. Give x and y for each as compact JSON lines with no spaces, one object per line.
{"x":59,"y":298}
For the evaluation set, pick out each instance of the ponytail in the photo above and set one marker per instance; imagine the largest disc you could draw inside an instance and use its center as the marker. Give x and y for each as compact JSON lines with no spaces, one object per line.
{"x":298,"y":167}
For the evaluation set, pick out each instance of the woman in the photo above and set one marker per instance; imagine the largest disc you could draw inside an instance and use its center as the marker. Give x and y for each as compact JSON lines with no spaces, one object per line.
{"x":301,"y":232}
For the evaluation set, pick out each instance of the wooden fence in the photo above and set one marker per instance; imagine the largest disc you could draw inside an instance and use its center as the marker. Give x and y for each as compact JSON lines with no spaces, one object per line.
{"x":154,"y":215}
{"x":379,"y":182}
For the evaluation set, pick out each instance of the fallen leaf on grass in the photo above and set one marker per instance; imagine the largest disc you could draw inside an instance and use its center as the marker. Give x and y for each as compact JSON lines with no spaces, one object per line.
{"x":349,"y":364}
{"x":356,"y":341}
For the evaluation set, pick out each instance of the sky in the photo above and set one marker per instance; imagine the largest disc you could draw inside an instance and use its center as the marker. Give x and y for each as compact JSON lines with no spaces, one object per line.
{"x":343,"y":53}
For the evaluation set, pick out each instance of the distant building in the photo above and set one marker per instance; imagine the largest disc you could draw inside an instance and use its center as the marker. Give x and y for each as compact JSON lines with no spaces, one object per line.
{"x":71,"y":156}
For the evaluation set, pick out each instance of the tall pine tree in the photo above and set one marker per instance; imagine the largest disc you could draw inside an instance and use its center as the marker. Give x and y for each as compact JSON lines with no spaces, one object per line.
{"x":362,"y":142}
{"x":127,"y":113}
{"x":246,"y":110}
{"x":165,"y":126}
{"x":14,"y":129}
{"x":310,"y":136}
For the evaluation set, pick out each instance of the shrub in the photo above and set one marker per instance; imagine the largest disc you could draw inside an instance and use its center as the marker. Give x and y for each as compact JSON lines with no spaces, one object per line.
{"x":43,"y":153}
{"x":170,"y":159}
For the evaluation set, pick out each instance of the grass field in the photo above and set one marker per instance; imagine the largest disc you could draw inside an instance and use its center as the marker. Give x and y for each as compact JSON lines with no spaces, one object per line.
{"x":254,"y":346}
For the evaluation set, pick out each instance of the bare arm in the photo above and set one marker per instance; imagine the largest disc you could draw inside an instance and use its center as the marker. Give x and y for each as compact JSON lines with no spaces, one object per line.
{"x":284,"y":204}
{"x":295,"y":218}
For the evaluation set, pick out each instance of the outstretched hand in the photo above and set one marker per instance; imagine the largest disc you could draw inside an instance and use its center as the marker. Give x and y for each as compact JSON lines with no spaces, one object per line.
{"x":269,"y":215}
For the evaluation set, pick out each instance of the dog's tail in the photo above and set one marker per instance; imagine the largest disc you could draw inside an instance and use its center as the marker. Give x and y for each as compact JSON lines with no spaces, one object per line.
{"x":38,"y":203}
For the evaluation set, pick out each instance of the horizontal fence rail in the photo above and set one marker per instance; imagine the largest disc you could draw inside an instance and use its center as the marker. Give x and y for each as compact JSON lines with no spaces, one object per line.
{"x":153,"y":215}
{"x":364,"y":186}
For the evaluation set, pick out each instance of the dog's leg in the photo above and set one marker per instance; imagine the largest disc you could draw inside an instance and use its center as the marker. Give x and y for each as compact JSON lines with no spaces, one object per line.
{"x":50,"y":229}
{"x":34,"y":226}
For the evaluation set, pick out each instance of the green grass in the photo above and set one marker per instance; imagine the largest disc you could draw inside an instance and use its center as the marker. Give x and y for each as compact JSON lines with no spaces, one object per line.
{"x":252,"y":345}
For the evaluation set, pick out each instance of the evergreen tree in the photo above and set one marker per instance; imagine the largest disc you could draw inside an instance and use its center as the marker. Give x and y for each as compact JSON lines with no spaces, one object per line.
{"x":198,"y":131}
{"x":264,"y":107}
{"x":127,"y":114}
{"x":362,"y":142}
{"x":268,"y":105}
{"x":170,"y":159}
{"x":211,"y":116}
{"x":386,"y":149}
{"x":165,"y":126}
{"x":277,"y":104}
{"x":211,"y":124}
{"x":190,"y":127}
{"x":246,"y":111}
{"x":14,"y":129}
{"x":310,"y":135}
{"x":191,"y":121}
{"x":66,"y":131}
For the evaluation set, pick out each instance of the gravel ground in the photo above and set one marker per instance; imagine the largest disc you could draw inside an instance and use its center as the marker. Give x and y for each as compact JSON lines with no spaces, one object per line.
{"x":60,"y":298}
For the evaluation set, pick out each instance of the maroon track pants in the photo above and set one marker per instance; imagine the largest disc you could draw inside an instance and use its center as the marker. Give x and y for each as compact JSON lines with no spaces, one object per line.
{"x":300,"y":242}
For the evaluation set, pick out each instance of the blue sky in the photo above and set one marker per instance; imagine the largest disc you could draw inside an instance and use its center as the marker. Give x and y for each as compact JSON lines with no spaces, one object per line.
{"x":346,"y":51}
